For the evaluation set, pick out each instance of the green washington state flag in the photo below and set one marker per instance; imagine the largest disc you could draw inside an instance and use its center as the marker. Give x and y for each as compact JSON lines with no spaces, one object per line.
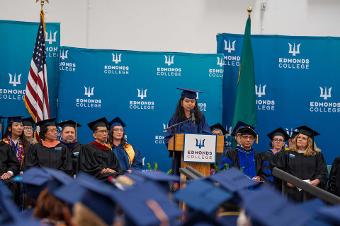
{"x":245,"y":103}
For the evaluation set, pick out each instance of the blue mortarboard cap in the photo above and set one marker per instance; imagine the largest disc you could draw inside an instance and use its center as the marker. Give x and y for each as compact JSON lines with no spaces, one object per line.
{"x":70,"y":123}
{"x":156,"y":175}
{"x":28,"y":121}
{"x":278,"y":132}
{"x":117,"y":122}
{"x":98,"y":122}
{"x":267,"y":207}
{"x":8,"y":210}
{"x":146,"y":204}
{"x":201,"y":219}
{"x":330,"y":214}
{"x":4,"y":191}
{"x":37,"y":179}
{"x":47,"y":122}
{"x":233,"y":180}
{"x":91,"y":192}
{"x":313,"y":207}
{"x":220,"y":127}
{"x":203,"y":196}
{"x":189,"y":93}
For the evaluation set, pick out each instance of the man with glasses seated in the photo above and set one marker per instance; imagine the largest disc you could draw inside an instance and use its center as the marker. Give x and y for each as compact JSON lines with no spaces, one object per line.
{"x":97,"y":158}
{"x":243,"y":156}
{"x":278,"y":139}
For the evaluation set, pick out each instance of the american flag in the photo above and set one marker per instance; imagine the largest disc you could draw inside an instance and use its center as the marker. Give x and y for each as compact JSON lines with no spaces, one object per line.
{"x":36,"y":96}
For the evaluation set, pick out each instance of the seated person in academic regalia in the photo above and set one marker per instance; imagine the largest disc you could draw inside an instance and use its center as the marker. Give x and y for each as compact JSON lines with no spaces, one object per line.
{"x":14,"y":137}
{"x":69,"y":139}
{"x":305,"y":161}
{"x":128,"y":156}
{"x":9,"y":164}
{"x":189,"y":119}
{"x":334,"y":178}
{"x":49,"y":152}
{"x":278,"y":137}
{"x":29,"y":138}
{"x":97,"y":157}
{"x":243,"y":156}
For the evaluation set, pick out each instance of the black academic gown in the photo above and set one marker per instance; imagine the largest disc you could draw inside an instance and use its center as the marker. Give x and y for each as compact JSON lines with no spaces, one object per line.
{"x":334,"y":178}
{"x":268,"y":161}
{"x":305,"y":168}
{"x":94,"y":157}
{"x":9,"y":162}
{"x":56,"y":157}
{"x":74,"y":149}
{"x":8,"y":159}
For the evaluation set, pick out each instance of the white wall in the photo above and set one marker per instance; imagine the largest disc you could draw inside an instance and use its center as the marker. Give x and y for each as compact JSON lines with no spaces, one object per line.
{"x":174,"y":25}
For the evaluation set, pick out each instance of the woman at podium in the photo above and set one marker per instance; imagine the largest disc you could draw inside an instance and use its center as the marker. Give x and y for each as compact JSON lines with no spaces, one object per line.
{"x":186,"y":119}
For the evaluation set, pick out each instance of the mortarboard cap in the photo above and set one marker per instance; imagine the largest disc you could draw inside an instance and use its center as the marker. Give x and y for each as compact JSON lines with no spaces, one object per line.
{"x":330,"y":214}
{"x":233,"y":180}
{"x":47,"y":122}
{"x":201,"y":219}
{"x":307,"y":131}
{"x":189,"y":93}
{"x":92,"y":193}
{"x":146,"y":204}
{"x":247,"y":129}
{"x":14,"y":119}
{"x":37,"y":179}
{"x":220,"y":127}
{"x":278,"y":132}
{"x":117,"y":122}
{"x":267,"y":207}
{"x":70,"y":123}
{"x":98,"y":122}
{"x":28,"y":121}
{"x":236,"y":127}
{"x":203,"y":196}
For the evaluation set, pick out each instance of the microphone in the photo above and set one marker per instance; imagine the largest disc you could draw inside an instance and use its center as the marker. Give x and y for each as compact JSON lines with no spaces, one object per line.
{"x":193,"y":119}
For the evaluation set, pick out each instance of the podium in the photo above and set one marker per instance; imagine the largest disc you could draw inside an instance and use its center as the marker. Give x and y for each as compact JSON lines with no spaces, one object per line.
{"x":176,"y":143}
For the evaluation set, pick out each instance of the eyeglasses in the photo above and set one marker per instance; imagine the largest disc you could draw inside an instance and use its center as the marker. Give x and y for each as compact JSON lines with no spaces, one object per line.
{"x":101,"y":131}
{"x":278,"y":140}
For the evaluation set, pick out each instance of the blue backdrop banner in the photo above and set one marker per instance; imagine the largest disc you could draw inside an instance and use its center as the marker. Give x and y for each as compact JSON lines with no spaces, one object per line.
{"x":297,"y":82}
{"x":17,"y":41}
{"x":139,"y":87}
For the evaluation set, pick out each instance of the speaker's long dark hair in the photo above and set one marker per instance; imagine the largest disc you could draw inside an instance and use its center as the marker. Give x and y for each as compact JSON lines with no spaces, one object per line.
{"x":179,"y":114}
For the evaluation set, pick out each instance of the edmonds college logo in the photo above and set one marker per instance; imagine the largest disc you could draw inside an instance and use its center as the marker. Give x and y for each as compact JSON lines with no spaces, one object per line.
{"x":13,"y":93}
{"x":64,"y":64}
{"x":229,"y":57}
{"x":218,"y":71}
{"x":169,"y":70}
{"x":143,"y":103}
{"x":294,"y":62}
{"x":325,"y":105}
{"x":52,"y":49}
{"x":87,"y":101}
{"x":117,"y":67}
{"x":261,"y":103}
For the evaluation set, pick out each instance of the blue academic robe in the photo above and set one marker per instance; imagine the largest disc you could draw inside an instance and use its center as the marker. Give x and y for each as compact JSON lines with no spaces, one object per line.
{"x":187,"y":127}
{"x":123,"y":158}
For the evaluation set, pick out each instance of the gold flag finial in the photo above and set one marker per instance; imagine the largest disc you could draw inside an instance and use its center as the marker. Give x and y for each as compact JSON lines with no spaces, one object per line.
{"x":42,"y":3}
{"x":250,"y":9}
